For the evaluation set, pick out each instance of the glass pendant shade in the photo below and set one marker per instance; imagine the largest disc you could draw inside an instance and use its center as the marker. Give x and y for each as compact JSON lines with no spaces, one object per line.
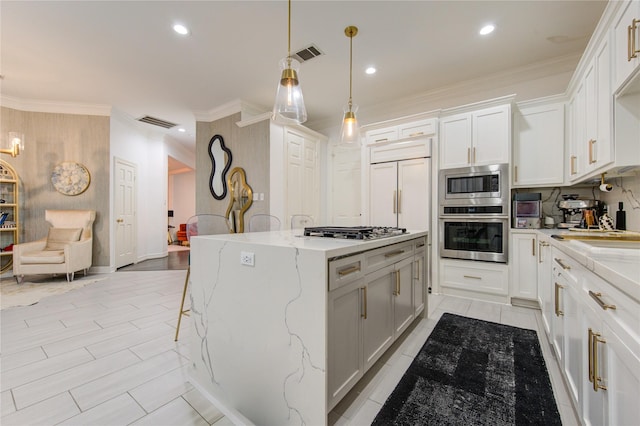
{"x":289,"y":105}
{"x":350,"y":130}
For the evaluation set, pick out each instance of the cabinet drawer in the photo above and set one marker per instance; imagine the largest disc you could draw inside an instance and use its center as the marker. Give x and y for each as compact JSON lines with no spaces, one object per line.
{"x":600,"y":295}
{"x":481,"y":278}
{"x":384,"y":256}
{"x":401,"y":151}
{"x":346,"y":270}
{"x":382,"y":135}
{"x":417,"y":129}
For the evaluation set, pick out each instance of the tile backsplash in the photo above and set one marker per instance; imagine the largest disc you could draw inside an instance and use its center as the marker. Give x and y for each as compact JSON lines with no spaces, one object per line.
{"x":625,"y":190}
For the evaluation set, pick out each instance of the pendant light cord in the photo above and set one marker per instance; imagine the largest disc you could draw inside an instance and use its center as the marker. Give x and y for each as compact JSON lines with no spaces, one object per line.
{"x":289,"y":35}
{"x":350,"y":69}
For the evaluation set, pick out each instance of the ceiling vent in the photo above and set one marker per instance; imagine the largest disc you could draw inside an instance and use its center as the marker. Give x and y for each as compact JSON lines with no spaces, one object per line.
{"x":307,"y":53}
{"x":157,"y":122}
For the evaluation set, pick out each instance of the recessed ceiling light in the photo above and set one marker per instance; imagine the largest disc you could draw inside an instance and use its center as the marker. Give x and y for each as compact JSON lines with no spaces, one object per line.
{"x":370,"y":70}
{"x":487,"y":29}
{"x":180,"y":29}
{"x":181,"y":130}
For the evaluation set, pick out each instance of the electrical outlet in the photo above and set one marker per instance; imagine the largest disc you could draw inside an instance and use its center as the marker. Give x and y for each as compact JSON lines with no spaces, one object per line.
{"x":247,"y":258}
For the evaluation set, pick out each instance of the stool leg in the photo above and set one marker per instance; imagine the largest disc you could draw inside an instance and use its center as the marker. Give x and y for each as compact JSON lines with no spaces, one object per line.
{"x":184,"y":295}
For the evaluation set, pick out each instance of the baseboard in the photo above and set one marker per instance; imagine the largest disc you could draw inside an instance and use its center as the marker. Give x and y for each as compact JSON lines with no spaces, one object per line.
{"x":525,"y":303}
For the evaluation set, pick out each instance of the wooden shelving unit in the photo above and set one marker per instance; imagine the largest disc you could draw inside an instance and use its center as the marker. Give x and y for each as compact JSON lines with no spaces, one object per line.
{"x":8,"y":204}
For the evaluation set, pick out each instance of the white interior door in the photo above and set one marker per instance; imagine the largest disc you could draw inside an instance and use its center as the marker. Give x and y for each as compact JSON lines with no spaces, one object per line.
{"x":383,"y":193}
{"x":413,"y":193}
{"x":346,"y":184}
{"x":124,"y":212}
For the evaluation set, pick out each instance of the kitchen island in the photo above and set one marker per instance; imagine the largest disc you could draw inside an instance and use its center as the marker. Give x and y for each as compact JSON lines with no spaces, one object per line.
{"x":284,"y":325}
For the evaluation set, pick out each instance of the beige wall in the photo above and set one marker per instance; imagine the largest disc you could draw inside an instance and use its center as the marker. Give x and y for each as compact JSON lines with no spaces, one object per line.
{"x":249,"y":149}
{"x":49,"y":140}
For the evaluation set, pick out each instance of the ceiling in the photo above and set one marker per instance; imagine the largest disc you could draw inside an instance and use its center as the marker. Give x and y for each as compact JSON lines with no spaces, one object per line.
{"x":125,"y":54}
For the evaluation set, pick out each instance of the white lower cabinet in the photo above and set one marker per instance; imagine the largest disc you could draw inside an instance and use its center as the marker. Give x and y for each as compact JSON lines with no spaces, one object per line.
{"x":544,"y":277}
{"x":420,"y":280}
{"x":595,"y":335}
{"x":524,"y":265}
{"x":466,"y":276}
{"x":378,"y":314}
{"x":371,"y":302}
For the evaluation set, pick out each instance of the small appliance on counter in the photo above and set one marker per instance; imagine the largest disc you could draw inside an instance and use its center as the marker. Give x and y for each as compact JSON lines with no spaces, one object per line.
{"x":527,"y":210}
{"x":577,"y":213}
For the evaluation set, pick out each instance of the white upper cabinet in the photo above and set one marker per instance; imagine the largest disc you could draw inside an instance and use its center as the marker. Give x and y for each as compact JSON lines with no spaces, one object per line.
{"x":479,"y":137}
{"x":403,"y":131}
{"x":626,"y":34}
{"x":538,"y":144}
{"x":590,"y":142}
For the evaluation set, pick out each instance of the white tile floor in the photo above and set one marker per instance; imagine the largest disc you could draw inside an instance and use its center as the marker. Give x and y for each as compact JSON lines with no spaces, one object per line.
{"x":104,"y":355}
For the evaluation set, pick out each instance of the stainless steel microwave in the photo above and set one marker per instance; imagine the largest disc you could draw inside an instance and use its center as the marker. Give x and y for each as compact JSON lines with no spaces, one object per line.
{"x":474,"y":185}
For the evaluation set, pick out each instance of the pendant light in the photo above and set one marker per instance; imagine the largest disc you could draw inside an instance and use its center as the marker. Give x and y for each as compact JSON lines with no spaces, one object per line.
{"x":350,"y":129}
{"x":289,"y":105}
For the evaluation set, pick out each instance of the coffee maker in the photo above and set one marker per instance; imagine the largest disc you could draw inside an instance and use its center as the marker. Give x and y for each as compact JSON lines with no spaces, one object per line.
{"x":577,"y":213}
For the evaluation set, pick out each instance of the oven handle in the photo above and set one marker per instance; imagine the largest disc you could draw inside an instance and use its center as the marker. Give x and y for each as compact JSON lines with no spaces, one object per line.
{"x":469,"y":218}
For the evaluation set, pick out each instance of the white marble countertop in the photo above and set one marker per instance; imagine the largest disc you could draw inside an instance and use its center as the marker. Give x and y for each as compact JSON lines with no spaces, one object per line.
{"x":333,"y":247}
{"x":620,"y":267}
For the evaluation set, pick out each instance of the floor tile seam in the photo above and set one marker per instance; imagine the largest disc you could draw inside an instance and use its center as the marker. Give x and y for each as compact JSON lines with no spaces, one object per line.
{"x":70,"y":311}
{"x":51,"y":373}
{"x":150,"y":378}
{"x":114,"y":339}
{"x":138,"y":310}
{"x":79,"y":336}
{"x":19,"y":366}
{"x":44,"y":400}
{"x":75,"y":385}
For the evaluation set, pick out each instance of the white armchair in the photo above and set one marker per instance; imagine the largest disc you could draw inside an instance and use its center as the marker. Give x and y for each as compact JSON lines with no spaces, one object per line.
{"x":66,"y":249}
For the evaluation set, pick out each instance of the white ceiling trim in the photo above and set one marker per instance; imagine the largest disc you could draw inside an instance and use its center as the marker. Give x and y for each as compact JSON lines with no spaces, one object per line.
{"x":33,"y":105}
{"x":246,"y":109}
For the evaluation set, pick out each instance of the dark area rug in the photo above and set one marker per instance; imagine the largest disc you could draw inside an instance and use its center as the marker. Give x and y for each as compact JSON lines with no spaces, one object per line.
{"x":473,"y":372}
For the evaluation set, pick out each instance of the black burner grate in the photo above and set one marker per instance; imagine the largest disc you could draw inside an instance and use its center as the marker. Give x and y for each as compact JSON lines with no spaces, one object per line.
{"x":353,"y":232}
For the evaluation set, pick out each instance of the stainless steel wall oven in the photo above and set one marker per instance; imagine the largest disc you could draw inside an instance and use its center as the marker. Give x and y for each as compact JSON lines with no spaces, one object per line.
{"x":474,"y":213}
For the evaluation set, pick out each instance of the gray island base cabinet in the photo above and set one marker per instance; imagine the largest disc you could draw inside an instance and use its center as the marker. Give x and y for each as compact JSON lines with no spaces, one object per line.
{"x":281,"y":341}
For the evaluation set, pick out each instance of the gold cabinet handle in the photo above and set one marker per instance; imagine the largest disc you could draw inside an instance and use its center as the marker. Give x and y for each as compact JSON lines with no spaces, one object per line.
{"x":364,"y":302}
{"x":348,"y":271}
{"x":400,"y":201}
{"x":413,"y":135}
{"x":595,"y":339}
{"x":120,"y":220}
{"x":572,"y":164}
{"x":472,"y":277}
{"x":468,"y":155}
{"x":515,"y":173}
{"x":541,"y":244}
{"x":393,"y":253}
{"x":382,"y":140}
{"x":630,"y":43}
{"x":559,"y":313}
{"x":561,"y":263}
{"x":631,"y":40}
{"x":397,"y":290}
{"x":533,"y":247}
{"x":597,"y":297}
{"x":591,"y":143}
{"x":395,"y":202}
{"x":474,"y":154}
{"x":590,"y":351}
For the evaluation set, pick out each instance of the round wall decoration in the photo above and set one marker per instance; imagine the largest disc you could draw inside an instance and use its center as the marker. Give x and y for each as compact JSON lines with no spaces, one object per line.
{"x":70,"y":178}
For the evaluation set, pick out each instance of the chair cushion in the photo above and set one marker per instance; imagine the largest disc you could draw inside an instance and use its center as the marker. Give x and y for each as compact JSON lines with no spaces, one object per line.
{"x":58,"y":237}
{"x":45,"y":256}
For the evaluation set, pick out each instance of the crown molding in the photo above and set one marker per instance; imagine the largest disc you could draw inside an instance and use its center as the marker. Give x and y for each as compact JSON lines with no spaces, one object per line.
{"x":246,"y":110}
{"x":33,"y":105}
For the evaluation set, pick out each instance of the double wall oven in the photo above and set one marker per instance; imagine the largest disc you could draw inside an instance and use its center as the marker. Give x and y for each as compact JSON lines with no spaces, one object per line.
{"x":474,"y":213}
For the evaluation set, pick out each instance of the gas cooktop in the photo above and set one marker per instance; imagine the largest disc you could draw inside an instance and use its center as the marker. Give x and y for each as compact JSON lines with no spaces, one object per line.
{"x":353,"y":232}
